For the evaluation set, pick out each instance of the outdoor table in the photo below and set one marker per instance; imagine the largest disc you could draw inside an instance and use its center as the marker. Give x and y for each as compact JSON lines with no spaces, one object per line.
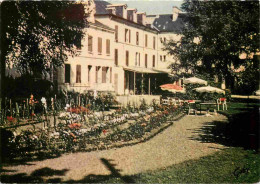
{"x":208,"y":104}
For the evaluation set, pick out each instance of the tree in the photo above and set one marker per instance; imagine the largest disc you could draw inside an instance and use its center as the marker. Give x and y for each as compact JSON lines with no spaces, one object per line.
{"x":215,"y":34}
{"x":39,"y":35}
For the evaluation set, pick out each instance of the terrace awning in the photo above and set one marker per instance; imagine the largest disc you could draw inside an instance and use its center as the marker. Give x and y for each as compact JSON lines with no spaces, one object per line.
{"x":140,"y":70}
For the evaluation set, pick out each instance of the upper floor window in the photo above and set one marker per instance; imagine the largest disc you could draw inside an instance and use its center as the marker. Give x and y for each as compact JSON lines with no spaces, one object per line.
{"x":153,"y":60}
{"x":108,"y":47}
{"x":146,"y":40}
{"x":164,"y":57}
{"x":116,"y":33}
{"x":137,"y":38}
{"x":116,"y":57}
{"x":145,"y":60}
{"x":139,"y":63}
{"x":78,"y":73}
{"x":99,"y":45}
{"x":136,"y":58}
{"x":160,"y":57}
{"x":154,"y":42}
{"x":127,"y":35}
{"x":90,"y":43}
{"x":127,"y":58}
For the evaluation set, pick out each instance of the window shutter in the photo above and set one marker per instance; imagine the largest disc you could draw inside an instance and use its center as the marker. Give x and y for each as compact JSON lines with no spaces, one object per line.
{"x":154,"y":42}
{"x":137,"y":38}
{"x":127,"y":58}
{"x":153,"y":60}
{"x":129,"y":36}
{"x":116,"y":57}
{"x":99,"y":45}
{"x":90,"y":43}
{"x":108,"y":47}
{"x":146,"y":40}
{"x":116,"y":33}
{"x":145,"y":60}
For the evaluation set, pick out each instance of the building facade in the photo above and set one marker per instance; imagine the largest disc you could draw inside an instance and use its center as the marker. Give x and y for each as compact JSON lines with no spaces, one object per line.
{"x":122,"y":52}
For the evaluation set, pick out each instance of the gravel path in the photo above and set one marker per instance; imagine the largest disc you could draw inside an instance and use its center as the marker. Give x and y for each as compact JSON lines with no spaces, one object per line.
{"x":174,"y":145}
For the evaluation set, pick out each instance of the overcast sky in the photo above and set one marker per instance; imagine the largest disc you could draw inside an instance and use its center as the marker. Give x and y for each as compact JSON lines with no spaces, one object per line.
{"x":151,"y":6}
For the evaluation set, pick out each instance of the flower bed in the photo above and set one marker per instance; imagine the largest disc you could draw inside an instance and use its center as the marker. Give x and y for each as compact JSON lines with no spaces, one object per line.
{"x":93,"y":130}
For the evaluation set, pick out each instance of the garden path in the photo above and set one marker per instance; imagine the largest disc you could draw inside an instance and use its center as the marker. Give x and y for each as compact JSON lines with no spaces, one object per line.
{"x":174,"y":145}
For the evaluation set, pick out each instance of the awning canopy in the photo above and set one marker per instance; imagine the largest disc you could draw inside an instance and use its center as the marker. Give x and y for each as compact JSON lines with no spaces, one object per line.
{"x":144,"y":70}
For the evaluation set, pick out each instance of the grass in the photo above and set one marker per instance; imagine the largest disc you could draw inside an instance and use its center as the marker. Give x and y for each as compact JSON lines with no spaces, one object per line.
{"x":232,"y":165}
{"x":228,"y":166}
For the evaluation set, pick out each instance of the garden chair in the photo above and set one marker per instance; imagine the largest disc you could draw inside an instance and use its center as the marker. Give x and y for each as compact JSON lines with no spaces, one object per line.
{"x":223,"y":102}
{"x":165,"y":101}
{"x":192,"y":107}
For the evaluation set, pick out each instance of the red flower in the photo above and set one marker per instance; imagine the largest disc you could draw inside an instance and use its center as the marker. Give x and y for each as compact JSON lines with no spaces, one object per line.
{"x":74,"y":125}
{"x":10,"y":119}
{"x":33,"y":115}
{"x":104,"y":132}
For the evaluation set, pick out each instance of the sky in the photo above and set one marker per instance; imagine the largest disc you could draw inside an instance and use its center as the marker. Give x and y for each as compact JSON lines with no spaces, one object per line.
{"x":151,"y":7}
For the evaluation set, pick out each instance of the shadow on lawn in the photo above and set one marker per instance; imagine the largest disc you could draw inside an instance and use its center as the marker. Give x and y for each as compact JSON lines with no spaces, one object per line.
{"x":241,"y":130}
{"x":39,"y":174}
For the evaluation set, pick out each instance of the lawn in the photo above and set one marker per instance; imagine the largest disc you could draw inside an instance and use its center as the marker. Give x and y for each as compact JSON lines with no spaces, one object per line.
{"x":232,"y":165}
{"x":239,"y":163}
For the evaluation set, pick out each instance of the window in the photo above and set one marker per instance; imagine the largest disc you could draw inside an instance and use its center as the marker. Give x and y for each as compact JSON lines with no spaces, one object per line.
{"x":99,"y":45}
{"x":77,"y":42}
{"x":97,"y":71}
{"x":129,"y":36}
{"x":136,"y":58}
{"x":146,"y":40}
{"x":137,"y":38}
{"x":164,"y":40}
{"x":116,"y":57}
{"x":154,"y":42}
{"x":153,"y":60}
{"x":108,"y":47}
{"x":116,"y":33}
{"x":146,"y":64}
{"x":161,"y":39}
{"x":160,"y":57}
{"x":139,"y":60}
{"x":126,"y":35}
{"x":90,"y":43}
{"x":78,"y":73}
{"x":67,"y":73}
{"x":89,"y":72}
{"x":127,"y":58}
{"x":110,"y":74}
{"x":164,"y":57}
{"x":104,"y":74}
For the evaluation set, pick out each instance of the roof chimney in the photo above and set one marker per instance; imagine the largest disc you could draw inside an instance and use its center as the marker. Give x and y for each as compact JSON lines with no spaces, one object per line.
{"x":120,"y":9}
{"x":175,"y":13}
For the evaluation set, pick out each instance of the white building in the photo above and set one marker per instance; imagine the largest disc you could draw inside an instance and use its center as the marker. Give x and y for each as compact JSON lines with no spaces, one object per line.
{"x":122,"y":51}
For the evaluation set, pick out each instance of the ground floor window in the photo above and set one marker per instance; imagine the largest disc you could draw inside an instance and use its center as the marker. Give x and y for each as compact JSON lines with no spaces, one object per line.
{"x":104,"y":74}
{"x":67,"y":73}
{"x":78,"y":74}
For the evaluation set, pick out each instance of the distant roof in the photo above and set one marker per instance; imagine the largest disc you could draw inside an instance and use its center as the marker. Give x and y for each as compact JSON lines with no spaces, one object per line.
{"x":101,"y":7}
{"x":99,"y":24}
{"x":164,"y":23}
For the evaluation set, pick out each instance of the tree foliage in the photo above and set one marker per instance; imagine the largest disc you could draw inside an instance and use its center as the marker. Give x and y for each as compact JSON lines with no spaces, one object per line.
{"x":215,"y":35}
{"x":38,"y":35}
